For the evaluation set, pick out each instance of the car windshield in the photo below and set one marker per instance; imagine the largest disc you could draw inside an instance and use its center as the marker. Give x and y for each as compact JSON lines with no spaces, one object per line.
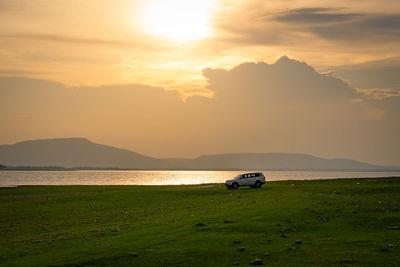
{"x":237,"y":177}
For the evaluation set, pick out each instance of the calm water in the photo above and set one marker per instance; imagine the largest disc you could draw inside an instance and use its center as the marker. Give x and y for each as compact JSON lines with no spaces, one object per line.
{"x":15,"y":178}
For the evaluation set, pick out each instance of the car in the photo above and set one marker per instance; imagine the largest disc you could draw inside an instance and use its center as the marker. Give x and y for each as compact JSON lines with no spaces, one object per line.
{"x":253,"y":179}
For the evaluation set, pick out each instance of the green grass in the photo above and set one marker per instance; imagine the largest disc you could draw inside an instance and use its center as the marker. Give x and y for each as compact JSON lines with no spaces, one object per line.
{"x":339,"y":222}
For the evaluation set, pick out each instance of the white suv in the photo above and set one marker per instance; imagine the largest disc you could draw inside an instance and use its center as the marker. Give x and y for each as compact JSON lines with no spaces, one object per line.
{"x":254,"y":179}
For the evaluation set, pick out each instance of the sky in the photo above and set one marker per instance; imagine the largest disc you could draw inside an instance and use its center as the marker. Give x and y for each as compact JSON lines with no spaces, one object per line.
{"x":181,"y":78}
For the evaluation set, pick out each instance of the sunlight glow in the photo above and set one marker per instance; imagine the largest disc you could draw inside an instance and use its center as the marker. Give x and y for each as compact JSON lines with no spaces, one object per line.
{"x":182,"y":20}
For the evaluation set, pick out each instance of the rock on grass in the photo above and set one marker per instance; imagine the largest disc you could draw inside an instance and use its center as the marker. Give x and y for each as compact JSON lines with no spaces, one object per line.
{"x":385,"y":249}
{"x":257,"y":262}
{"x":134,"y":254}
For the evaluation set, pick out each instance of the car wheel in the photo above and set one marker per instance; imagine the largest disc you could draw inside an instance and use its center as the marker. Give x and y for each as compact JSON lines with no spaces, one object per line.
{"x":235,"y":186}
{"x":257,"y":184}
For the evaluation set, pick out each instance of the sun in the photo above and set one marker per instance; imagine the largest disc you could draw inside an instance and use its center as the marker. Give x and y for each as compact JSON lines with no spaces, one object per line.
{"x":183,"y":20}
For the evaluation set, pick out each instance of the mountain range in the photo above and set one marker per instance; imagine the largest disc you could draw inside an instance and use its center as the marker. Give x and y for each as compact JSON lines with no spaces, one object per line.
{"x":82,"y":153}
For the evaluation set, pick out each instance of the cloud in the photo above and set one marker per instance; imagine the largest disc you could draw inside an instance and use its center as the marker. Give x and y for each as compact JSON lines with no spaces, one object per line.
{"x":290,"y":106}
{"x":314,"y":16}
{"x":54,"y":104}
{"x":283,"y":80}
{"x":382,"y":74}
{"x":77,"y":40}
{"x":373,"y":27}
{"x":8,"y":72}
{"x":286,"y":106}
{"x":333,"y":23}
{"x":303,"y":26}
{"x":379,"y":93}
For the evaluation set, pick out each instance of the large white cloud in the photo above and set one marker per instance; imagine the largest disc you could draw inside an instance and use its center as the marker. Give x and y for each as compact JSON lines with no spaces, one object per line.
{"x":289,"y":106}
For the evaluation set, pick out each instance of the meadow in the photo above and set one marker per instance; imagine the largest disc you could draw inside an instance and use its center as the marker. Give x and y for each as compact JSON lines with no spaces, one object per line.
{"x":287,"y":223}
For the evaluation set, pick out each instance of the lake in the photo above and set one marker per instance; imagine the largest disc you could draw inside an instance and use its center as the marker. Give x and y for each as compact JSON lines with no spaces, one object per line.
{"x":103,"y":177}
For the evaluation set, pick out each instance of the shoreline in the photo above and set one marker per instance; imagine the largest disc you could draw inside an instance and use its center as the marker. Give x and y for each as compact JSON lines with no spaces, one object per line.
{"x":177,"y":170}
{"x":201,"y":184}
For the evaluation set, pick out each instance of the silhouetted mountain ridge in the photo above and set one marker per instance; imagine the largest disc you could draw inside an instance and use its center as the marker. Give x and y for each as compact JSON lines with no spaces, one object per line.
{"x":71,"y":152}
{"x":81,"y":152}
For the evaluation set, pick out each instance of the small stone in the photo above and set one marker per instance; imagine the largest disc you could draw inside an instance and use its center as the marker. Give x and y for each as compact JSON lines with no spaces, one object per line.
{"x":241,"y":249}
{"x":236,"y":263}
{"x":353,"y":211}
{"x":283,"y":235}
{"x":394,"y":228}
{"x":227,"y":221}
{"x":257,"y":262}
{"x":162,"y":236}
{"x":199,"y":224}
{"x":391,"y":246}
{"x":133,"y":254}
{"x":266,"y":254}
{"x":299,"y":241}
{"x":385,"y":249}
{"x":38,"y":241}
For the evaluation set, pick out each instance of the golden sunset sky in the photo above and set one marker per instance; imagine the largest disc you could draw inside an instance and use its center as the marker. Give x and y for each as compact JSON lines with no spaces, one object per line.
{"x":180,"y":78}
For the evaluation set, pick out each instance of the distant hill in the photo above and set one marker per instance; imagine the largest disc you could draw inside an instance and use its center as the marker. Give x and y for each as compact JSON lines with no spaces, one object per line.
{"x":72,"y":152}
{"x":272,"y":161}
{"x":82,"y":153}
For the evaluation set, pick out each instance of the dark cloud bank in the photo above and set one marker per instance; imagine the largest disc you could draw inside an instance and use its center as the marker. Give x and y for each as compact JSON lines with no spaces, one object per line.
{"x":283,"y":107}
{"x":294,"y":26}
{"x":334,"y":23}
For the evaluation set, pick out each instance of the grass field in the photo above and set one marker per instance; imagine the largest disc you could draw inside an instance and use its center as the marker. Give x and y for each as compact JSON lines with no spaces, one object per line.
{"x":330,"y":222}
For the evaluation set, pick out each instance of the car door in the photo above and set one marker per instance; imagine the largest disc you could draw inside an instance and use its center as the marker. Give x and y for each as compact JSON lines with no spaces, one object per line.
{"x":247,"y":179}
{"x":242,"y":180}
{"x":252,"y":179}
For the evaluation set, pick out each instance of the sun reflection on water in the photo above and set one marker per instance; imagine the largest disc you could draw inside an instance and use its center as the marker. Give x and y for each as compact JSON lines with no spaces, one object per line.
{"x":13,"y":178}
